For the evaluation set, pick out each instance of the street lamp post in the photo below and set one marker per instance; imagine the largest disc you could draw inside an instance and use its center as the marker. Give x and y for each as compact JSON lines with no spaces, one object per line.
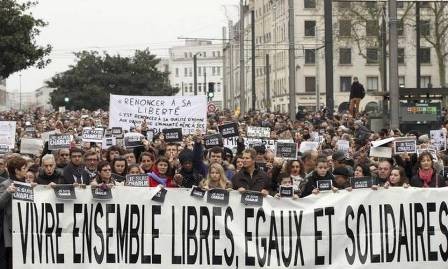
{"x":195,"y":73}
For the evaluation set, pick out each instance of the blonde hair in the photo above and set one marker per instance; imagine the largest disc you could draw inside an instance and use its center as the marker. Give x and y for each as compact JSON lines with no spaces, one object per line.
{"x":223,"y":182}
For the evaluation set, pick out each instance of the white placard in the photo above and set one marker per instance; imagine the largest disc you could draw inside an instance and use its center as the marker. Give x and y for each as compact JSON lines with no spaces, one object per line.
{"x":161,"y":112}
{"x":343,"y":145}
{"x":8,"y":133}
{"x":381,"y":152}
{"x":31,"y":146}
{"x":308,"y":145}
{"x":258,"y":132}
{"x":438,"y":139}
{"x":108,"y":142}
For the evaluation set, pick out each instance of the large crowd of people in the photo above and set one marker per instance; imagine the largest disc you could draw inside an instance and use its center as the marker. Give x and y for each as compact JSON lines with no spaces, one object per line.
{"x":188,"y":163}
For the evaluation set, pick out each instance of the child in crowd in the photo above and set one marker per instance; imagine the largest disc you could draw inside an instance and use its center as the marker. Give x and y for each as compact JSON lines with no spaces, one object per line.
{"x":216,"y":179}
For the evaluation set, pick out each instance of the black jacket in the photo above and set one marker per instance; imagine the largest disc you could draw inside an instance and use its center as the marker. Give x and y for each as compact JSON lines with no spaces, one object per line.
{"x":257,"y":182}
{"x":311,"y":182}
{"x":190,"y":178}
{"x":437,"y":181}
{"x":74,"y":174}
{"x":44,"y":179}
{"x":357,"y":90}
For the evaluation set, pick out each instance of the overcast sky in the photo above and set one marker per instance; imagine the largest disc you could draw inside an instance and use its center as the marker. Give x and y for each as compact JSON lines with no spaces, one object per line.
{"x":118,"y":26}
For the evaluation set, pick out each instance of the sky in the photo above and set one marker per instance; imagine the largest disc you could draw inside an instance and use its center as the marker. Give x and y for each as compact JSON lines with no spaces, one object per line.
{"x":118,"y":26}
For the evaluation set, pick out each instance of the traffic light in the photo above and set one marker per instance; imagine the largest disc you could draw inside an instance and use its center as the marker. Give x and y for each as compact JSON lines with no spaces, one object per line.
{"x":211,"y":90}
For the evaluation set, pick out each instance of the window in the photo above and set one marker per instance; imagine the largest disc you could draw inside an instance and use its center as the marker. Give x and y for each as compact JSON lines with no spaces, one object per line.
{"x":401,"y":55}
{"x":425,"y":55}
{"x":185,"y":72}
{"x":218,"y":87}
{"x":310,"y":56}
{"x":372,"y":55}
{"x":400,"y":27}
{"x":213,"y":54}
{"x":185,"y":55}
{"x":191,"y":55}
{"x":213,"y":71}
{"x":372,"y":83}
{"x":199,"y":71}
{"x":345,"y":28}
{"x":401,"y":81}
{"x":310,"y":84}
{"x":190,"y":72}
{"x":371,"y":28}
{"x":218,"y":54}
{"x":344,"y":5}
{"x":218,"y":71}
{"x":177,"y":72}
{"x":425,"y":28}
{"x":345,"y":83}
{"x":190,"y":85}
{"x":425,"y":82}
{"x":199,"y":87}
{"x":425,"y":4}
{"x":204,"y":54}
{"x":309,"y":4}
{"x":310,"y":28}
{"x":400,"y":4}
{"x":345,"y":56}
{"x":371,"y":5}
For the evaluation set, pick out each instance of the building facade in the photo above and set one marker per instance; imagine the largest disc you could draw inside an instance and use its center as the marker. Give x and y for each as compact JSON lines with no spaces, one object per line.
{"x":209,"y":68}
{"x":357,"y":52}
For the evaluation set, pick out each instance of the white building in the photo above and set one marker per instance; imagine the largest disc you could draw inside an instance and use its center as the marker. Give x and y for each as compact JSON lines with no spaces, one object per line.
{"x":209,"y":68}
{"x":356,"y":52}
{"x":3,"y":95}
{"x":43,"y":98}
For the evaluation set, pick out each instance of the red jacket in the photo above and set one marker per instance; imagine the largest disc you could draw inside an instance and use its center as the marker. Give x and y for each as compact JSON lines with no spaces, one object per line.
{"x":153,"y":179}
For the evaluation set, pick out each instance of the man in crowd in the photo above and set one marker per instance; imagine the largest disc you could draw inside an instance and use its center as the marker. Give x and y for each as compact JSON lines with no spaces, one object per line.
{"x":357,"y":93}
{"x":384,"y":169}
{"x":250,"y":178}
{"x":48,"y":174}
{"x":74,"y":172}
{"x":309,"y":159}
{"x":91,"y":160}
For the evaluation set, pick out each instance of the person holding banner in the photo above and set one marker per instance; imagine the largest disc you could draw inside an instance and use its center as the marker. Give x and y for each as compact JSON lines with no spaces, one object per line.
{"x":361,"y":170}
{"x":397,"y":178}
{"x":188,"y":175}
{"x":17,"y":172}
{"x":426,"y":176}
{"x":74,"y":172}
{"x":119,"y":166}
{"x":146,"y":162}
{"x":159,"y":174}
{"x":48,"y":174}
{"x":286,"y":181}
{"x":216,"y":179}
{"x":321,"y":172}
{"x":104,"y":178}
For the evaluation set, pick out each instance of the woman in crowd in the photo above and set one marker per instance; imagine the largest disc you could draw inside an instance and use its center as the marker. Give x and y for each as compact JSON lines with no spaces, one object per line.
{"x":238,"y":163}
{"x":426,"y":176}
{"x":397,"y":178}
{"x":17,"y":172}
{"x":119,"y":168}
{"x":296,"y":172}
{"x":159,"y":174}
{"x":146,"y":162}
{"x":134,"y":169}
{"x":361,"y":170}
{"x":104,"y":178}
{"x":216,"y":179}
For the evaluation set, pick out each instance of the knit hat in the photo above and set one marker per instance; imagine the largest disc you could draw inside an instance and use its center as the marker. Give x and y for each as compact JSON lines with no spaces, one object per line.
{"x":186,"y":155}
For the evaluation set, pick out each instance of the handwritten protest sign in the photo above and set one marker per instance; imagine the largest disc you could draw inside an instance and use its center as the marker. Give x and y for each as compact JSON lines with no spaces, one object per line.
{"x":258,"y":132}
{"x":8,"y":133}
{"x":308,"y":145}
{"x":160,"y":112}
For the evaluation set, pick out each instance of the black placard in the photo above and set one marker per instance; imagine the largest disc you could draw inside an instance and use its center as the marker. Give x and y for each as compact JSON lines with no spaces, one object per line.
{"x":286,"y":151}
{"x":363,"y":182}
{"x":324,"y":185}
{"x":107,"y":133}
{"x":218,"y":196}
{"x":172,"y":135}
{"x":59,"y":141}
{"x":118,"y":178}
{"x":160,"y":196}
{"x":214,"y":140}
{"x":101,"y":193}
{"x":197,"y":192}
{"x":286,"y":191}
{"x":23,"y":192}
{"x":229,"y":129}
{"x":65,"y":192}
{"x":133,"y":140}
{"x":117,"y":132}
{"x":252,"y":198}
{"x":92,"y":134}
{"x":406,"y":146}
{"x":137,"y":180}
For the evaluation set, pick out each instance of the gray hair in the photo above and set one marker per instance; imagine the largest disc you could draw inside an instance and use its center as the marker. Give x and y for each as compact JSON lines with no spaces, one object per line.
{"x":48,"y":157}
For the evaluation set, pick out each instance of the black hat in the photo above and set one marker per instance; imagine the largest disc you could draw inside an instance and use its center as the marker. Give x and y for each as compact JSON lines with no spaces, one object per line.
{"x":341,"y":171}
{"x":186,"y":155}
{"x":339,"y":155}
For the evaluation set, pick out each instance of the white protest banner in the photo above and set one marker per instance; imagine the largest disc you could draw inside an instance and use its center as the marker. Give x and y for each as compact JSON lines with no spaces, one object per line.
{"x":31,"y":146}
{"x":160,"y":112}
{"x":438,"y":139}
{"x":383,"y":229}
{"x":308,"y":145}
{"x":8,"y":133}
{"x":92,"y":134}
{"x":258,"y":132}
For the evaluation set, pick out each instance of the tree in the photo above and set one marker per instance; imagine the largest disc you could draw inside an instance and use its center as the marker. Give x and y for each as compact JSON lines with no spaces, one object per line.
{"x":18,"y":49}
{"x":89,"y":82}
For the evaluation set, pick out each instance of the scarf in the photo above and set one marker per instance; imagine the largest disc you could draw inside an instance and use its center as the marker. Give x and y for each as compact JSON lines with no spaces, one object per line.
{"x":426,"y":176}
{"x":158,"y":179}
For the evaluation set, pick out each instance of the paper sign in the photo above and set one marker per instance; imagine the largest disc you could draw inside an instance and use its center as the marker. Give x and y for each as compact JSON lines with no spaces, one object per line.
{"x":308,"y":145}
{"x":65,"y":191}
{"x":382,"y":142}
{"x":117,"y":132}
{"x":161,"y":112}
{"x":32,"y":146}
{"x":160,"y":196}
{"x":8,"y":133}
{"x":381,"y":152}
{"x":343,"y":145}
{"x":197,"y":192}
{"x":4,"y":149}
{"x":61,"y":109}
{"x":287,"y":151}
{"x":118,"y":178}
{"x":363,"y":182}
{"x":405,"y":146}
{"x":258,"y":132}
{"x":108,"y":142}
{"x":286,"y":191}
{"x":92,"y":135}
{"x":100,"y":193}
{"x":251,"y":198}
{"x":173,"y":135}
{"x":133,"y":140}
{"x":23,"y":192}
{"x":137,"y":180}
{"x":229,"y":130}
{"x":218,"y":196}
{"x":438,"y":139}
{"x":56,"y":142}
{"x":214,"y":140}
{"x":324,"y":185}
